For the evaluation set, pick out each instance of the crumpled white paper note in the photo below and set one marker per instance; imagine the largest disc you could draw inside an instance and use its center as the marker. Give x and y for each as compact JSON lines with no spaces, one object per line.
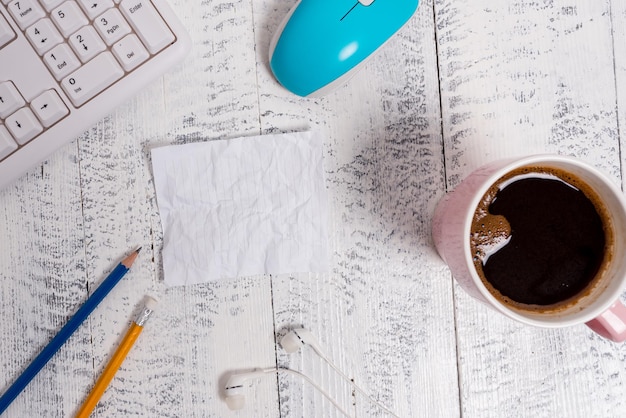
{"x":241,"y":207}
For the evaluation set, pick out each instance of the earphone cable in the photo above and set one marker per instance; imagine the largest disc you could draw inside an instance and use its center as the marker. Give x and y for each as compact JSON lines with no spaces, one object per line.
{"x":316,"y":386}
{"x":356,"y":387}
{"x":299,"y":337}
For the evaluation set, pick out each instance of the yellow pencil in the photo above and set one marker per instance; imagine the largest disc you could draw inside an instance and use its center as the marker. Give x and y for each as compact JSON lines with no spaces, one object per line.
{"x":117,"y":359}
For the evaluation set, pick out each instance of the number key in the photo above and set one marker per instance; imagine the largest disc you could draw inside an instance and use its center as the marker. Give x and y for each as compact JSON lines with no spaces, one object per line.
{"x":61,"y":61}
{"x":112,"y":26}
{"x":92,"y":78}
{"x":50,"y":4}
{"x":86,"y":43}
{"x":68,"y":17}
{"x":26,"y":12}
{"x":43,"y":35}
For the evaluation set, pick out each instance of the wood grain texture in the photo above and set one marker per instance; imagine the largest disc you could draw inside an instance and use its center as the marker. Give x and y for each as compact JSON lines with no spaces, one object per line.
{"x":201,"y":332}
{"x":385,"y":313}
{"x":42,"y":280}
{"x":517,"y":78}
{"x":464,"y":83}
{"x":618,"y":31}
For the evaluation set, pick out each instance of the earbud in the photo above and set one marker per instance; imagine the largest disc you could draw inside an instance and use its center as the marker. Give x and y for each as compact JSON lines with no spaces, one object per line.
{"x":291,"y":342}
{"x":296,"y":338}
{"x":233,"y":390}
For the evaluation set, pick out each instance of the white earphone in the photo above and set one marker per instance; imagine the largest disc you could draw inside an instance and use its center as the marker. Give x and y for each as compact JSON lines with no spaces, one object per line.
{"x":297,"y":338}
{"x":235,"y":398}
{"x":291,"y":342}
{"x":233,"y":390}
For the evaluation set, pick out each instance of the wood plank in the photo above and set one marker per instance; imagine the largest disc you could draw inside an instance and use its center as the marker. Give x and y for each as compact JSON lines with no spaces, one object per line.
{"x":199,"y":333}
{"x":518,"y":78}
{"x":42,"y":282}
{"x":384,"y":314}
{"x":618,"y":31}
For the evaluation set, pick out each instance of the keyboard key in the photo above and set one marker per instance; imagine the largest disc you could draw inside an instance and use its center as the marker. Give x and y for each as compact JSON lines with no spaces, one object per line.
{"x":92,"y":78}
{"x":61,"y":61}
{"x":50,"y":4}
{"x":68,"y":17}
{"x":86,"y":43}
{"x":25,"y":12}
{"x":43,"y":35}
{"x":65,"y":62}
{"x":10,"y":99}
{"x":7,"y":144}
{"x":147,"y":22}
{"x":23,"y":125}
{"x":130,"y":52}
{"x":93,"y":8}
{"x":111,"y":26}
{"x":49,"y":108}
{"x":6,"y":33}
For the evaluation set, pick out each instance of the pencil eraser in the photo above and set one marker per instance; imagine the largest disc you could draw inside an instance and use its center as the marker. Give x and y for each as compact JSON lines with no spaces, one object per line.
{"x":150,"y":303}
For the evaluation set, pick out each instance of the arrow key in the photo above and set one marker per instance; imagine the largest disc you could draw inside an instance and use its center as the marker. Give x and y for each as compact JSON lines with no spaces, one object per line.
{"x":93,"y":8}
{"x":49,"y":108}
{"x":86,"y":43}
{"x":43,"y":35}
{"x":23,"y":125}
{"x":7,"y":144}
{"x":10,"y":99}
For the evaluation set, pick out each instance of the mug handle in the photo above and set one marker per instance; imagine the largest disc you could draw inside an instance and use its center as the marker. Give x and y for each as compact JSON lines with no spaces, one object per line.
{"x":611,"y":324}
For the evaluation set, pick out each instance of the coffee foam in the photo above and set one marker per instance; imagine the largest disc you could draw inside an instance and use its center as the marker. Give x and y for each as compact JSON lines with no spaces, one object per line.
{"x":490,"y":232}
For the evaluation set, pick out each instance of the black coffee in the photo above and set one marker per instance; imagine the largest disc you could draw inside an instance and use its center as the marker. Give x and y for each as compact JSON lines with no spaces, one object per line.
{"x":539,"y":238}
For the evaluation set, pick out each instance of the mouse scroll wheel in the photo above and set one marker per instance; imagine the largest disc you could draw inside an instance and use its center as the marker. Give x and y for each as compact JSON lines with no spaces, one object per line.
{"x":366,"y":2}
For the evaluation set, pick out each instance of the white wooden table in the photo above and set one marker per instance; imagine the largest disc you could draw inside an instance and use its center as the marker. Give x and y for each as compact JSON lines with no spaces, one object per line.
{"x":464,"y":83}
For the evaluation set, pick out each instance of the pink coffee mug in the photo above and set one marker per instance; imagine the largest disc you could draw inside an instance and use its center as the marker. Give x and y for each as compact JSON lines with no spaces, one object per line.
{"x":600,"y":309}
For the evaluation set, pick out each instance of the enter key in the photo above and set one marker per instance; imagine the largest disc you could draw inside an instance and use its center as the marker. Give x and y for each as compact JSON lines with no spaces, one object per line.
{"x":148,"y":24}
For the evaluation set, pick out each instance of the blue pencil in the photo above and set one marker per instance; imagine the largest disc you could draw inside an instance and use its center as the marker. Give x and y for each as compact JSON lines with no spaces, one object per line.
{"x":53,"y":346}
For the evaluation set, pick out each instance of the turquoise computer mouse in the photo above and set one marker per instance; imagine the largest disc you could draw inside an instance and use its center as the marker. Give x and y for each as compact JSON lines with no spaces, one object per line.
{"x":321,"y":43}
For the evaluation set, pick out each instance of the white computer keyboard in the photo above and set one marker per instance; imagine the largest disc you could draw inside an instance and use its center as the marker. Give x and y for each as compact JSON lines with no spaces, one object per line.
{"x":66,"y":64}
